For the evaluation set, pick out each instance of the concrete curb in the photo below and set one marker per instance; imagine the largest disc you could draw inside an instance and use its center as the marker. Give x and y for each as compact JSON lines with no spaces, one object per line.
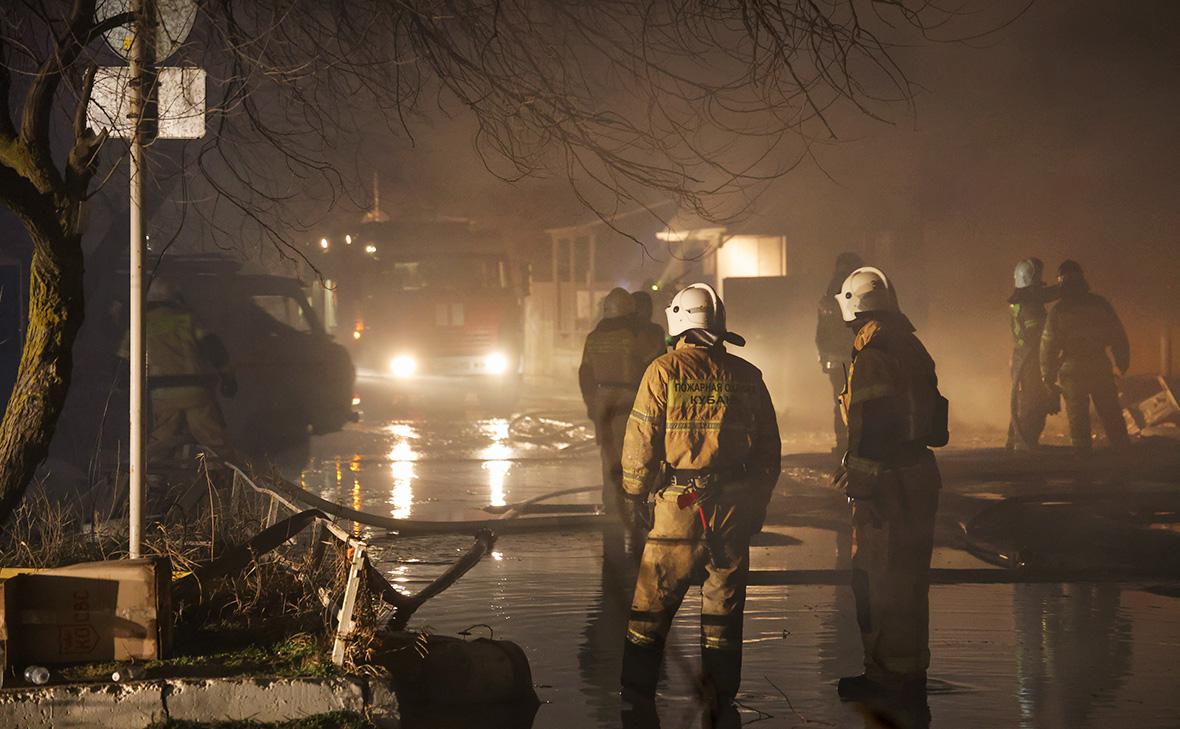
{"x":135,"y":705}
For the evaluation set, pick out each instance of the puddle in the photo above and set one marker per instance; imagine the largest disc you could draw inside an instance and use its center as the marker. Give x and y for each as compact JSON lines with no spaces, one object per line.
{"x":1044,"y":656}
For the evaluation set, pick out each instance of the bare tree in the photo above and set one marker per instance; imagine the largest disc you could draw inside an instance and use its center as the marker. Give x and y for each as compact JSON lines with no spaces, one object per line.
{"x":633,"y":101}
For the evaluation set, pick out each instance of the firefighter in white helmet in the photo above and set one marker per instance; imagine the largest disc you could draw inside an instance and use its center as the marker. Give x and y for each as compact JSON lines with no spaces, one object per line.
{"x":833,"y":342}
{"x":703,"y":439}
{"x":1030,"y":403}
{"x":894,"y":414}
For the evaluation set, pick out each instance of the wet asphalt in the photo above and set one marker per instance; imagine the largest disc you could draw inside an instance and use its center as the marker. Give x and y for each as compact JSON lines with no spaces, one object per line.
{"x":1052,"y":655}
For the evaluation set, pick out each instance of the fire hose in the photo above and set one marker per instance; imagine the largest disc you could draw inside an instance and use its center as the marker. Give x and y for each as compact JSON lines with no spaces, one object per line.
{"x":505,"y":523}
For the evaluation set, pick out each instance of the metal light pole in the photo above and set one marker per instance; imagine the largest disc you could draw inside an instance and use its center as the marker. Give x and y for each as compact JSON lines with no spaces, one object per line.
{"x":156,"y":31}
{"x":137,"y":466}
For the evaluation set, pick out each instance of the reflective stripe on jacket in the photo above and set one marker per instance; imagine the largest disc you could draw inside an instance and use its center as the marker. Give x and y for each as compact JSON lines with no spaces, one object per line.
{"x":174,"y":360}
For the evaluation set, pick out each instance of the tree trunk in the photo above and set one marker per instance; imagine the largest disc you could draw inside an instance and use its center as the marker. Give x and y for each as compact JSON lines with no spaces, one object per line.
{"x":56,"y":311}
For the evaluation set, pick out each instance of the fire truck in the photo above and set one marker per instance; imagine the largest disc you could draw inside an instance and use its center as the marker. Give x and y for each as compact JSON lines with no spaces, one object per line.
{"x":432,"y":311}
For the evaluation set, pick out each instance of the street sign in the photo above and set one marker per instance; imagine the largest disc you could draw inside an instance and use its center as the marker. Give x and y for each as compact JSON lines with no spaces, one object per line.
{"x":180,"y":102}
{"x":174,"y":21}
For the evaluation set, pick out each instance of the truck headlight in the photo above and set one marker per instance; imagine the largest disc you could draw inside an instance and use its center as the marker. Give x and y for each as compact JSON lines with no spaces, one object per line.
{"x":495,"y":363}
{"x":403,"y":366}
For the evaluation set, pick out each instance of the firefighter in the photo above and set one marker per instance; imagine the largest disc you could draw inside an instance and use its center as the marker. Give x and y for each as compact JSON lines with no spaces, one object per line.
{"x":651,"y":335}
{"x":1030,"y":403}
{"x":1074,"y":361}
{"x":702,"y":438}
{"x":833,"y":340}
{"x":184,"y":363}
{"x":894,"y":413}
{"x":612,"y":364}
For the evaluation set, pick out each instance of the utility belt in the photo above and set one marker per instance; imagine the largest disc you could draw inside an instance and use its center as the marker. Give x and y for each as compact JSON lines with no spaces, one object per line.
{"x":703,"y":479}
{"x":911,"y":454}
{"x":692,"y":489}
{"x":866,"y":475}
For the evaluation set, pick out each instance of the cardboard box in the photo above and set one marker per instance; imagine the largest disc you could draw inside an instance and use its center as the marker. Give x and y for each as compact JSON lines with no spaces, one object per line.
{"x":89,"y":612}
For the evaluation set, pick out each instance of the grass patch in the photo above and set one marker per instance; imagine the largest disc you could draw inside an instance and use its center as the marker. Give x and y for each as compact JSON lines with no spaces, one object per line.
{"x":271,"y":618}
{"x":298,"y":656}
{"x":335,"y":720}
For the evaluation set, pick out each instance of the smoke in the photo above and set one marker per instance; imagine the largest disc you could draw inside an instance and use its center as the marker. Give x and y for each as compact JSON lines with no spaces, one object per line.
{"x":1055,"y":141}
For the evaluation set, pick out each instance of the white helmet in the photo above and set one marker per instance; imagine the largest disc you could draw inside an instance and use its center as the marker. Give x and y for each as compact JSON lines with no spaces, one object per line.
{"x":866,"y":289}
{"x":696,"y":307}
{"x":1028,"y":272}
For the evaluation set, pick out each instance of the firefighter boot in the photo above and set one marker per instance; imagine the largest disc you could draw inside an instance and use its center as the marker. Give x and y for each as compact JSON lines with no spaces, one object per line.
{"x":641,"y":670}
{"x":723,"y":676}
{"x":638,"y":712}
{"x":864,"y":688}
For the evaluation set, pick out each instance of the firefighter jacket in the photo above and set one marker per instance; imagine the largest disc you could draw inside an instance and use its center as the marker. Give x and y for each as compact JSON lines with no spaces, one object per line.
{"x":613,"y":356}
{"x":1027,"y":315}
{"x":703,"y":409}
{"x":1077,"y":333}
{"x":183,"y":359}
{"x":833,"y":339}
{"x":891,"y":403}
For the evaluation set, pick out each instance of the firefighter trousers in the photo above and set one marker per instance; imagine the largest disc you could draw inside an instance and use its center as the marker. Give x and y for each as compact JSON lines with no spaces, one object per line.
{"x":1030,"y":403}
{"x":893,"y":538}
{"x":192,"y":415}
{"x":677,"y":552}
{"x":611,"y":409}
{"x":1078,"y":388}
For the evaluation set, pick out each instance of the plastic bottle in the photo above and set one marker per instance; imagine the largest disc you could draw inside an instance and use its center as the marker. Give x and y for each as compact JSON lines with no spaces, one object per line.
{"x":123,"y":674}
{"x":37,"y":675}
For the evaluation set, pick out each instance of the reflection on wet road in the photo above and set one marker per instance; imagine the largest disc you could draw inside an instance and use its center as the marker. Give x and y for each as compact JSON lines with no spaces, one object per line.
{"x":1052,"y":656}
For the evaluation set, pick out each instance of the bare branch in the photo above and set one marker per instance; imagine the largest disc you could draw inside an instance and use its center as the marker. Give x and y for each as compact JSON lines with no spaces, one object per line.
{"x":81,"y":29}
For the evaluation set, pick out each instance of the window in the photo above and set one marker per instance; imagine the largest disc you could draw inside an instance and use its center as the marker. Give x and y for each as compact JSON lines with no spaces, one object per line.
{"x":562,"y":252}
{"x":464,"y":273}
{"x":581,"y":259}
{"x":286,"y":310}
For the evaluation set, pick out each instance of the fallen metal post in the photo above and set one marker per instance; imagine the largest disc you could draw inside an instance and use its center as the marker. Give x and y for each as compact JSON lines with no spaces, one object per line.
{"x":272,"y":511}
{"x":404,"y":605}
{"x":345,"y":623}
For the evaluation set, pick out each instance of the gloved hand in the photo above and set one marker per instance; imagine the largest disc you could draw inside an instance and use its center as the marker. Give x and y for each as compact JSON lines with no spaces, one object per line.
{"x":637,"y":512}
{"x":228,"y":385}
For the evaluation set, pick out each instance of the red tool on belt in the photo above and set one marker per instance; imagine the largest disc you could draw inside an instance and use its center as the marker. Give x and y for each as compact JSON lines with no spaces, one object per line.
{"x":688,"y":500}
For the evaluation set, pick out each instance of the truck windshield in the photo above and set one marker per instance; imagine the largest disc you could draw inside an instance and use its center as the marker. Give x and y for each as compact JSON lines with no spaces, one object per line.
{"x":285,"y":310}
{"x":452,"y":272}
